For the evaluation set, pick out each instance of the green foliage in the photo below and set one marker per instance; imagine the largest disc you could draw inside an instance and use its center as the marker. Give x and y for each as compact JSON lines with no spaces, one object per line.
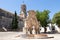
{"x":38,"y":15}
{"x":56,"y":18}
{"x":43,"y":17}
{"x":15,"y":21}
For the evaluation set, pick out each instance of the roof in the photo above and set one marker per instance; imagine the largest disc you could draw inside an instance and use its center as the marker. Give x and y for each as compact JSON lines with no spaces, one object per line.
{"x":5,"y":11}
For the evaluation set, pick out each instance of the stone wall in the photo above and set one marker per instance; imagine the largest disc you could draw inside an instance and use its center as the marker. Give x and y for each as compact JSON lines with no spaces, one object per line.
{"x":6,"y":20}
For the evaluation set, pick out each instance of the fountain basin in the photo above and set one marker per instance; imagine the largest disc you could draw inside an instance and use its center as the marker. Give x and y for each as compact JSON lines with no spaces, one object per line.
{"x":38,"y":36}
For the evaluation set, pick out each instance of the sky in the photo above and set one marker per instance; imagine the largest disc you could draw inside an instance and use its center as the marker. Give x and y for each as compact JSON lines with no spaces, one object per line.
{"x":15,"y":5}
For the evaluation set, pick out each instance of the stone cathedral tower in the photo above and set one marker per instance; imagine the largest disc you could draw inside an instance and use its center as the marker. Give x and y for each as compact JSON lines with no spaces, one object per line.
{"x":23,"y":13}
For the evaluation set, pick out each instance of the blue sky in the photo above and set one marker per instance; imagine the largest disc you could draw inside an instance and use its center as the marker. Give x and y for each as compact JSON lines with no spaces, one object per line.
{"x":14,"y":5}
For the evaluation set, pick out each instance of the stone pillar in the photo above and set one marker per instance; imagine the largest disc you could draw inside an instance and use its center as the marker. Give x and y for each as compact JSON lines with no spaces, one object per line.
{"x":33,"y":31}
{"x":25,"y":30}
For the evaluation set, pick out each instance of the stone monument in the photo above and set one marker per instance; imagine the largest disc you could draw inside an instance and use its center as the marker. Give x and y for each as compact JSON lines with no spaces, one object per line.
{"x":31,"y":26}
{"x":31,"y":23}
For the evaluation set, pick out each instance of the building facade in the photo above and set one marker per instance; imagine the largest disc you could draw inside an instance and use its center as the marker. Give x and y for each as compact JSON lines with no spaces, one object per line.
{"x":6,"y":18}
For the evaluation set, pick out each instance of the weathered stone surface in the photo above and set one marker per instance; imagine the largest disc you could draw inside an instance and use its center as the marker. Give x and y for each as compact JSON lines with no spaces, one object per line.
{"x":6,"y":20}
{"x":31,"y":21}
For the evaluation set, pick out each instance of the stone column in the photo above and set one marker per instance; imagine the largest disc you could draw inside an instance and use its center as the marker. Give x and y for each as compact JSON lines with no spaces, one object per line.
{"x":25,"y":30}
{"x":33,"y":31}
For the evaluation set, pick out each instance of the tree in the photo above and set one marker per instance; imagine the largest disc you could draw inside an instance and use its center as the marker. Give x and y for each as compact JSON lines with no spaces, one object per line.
{"x":15,"y":22}
{"x":56,"y":19}
{"x":43,"y":18}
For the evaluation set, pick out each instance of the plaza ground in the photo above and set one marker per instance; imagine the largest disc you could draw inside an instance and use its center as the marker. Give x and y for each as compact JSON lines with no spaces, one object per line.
{"x":13,"y":36}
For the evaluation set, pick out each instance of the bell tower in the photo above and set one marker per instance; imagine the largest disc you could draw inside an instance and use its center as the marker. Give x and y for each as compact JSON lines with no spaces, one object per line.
{"x":23,"y":13}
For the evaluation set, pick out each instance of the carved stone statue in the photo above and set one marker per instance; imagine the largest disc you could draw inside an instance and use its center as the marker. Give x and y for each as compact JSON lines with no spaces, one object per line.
{"x":31,"y":21}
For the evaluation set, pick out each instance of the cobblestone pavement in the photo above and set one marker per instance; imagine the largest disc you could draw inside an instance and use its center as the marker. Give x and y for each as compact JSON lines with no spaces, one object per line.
{"x":14,"y":36}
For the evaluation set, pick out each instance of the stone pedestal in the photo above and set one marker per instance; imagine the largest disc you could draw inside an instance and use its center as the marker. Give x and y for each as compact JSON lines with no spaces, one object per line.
{"x":24,"y":30}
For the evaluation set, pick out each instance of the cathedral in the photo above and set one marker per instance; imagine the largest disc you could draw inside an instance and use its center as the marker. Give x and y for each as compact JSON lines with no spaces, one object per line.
{"x":6,"y":18}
